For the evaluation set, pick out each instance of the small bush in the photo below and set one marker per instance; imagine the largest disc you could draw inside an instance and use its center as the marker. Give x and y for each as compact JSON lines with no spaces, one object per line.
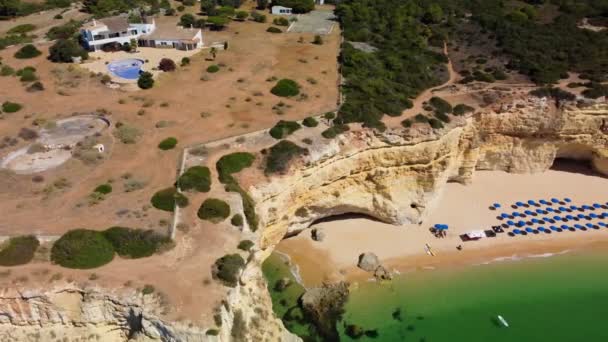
{"x":442,"y":116}
{"x":21,"y":29}
{"x":195,"y":177}
{"x":18,"y":250}
{"x":334,"y":131}
{"x":145,"y":80}
{"x":280,"y":21}
{"x":233,"y":163}
{"x":103,"y":189}
{"x":329,"y":115}
{"x":228,"y":268}
{"x":258,"y":17}
{"x":245,"y":245}
{"x":407,"y":123}
{"x":27,"y":134}
{"x":280,"y":155}
{"x":82,"y":249}
{"x":185,"y":61}
{"x":27,"y":75}
{"x":134,"y":243}
{"x":27,"y":51}
{"x":237,"y":220}
{"x":168,"y":198}
{"x":167,"y":65}
{"x":36,"y":86}
{"x":273,"y":29}
{"x":213,"y":69}
{"x":461,"y":109}
{"x":6,"y":71}
{"x":436,"y":124}
{"x":318,"y":40}
{"x":167,"y":144}
{"x":214,"y":210}
{"x":284,"y":128}
{"x":241,"y":15}
{"x":286,"y":88}
{"x":421,"y":118}
{"x":127,"y":134}
{"x":310,"y":122}
{"x":11,"y":107}
{"x":441,"y":105}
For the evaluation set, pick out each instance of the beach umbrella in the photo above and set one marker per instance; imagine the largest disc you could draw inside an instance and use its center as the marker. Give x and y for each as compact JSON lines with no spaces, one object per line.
{"x":573,"y":207}
{"x":554,"y":228}
{"x":580,"y":216}
{"x":496,"y":205}
{"x":589,"y":225}
{"x":602,"y":224}
{"x":563,"y":208}
{"x":563,"y":226}
{"x":504,"y":215}
{"x":516,"y":214}
{"x":540,"y":211}
{"x":510,"y":223}
{"x":531,"y":202}
{"x":542,"y":201}
{"x":570,"y":217}
{"x":521,"y":223}
{"x":530,"y":230}
{"x":550,"y":210}
{"x":586,"y":207}
{"x":597,"y":205}
{"x":557,"y":218}
{"x":516,"y":231}
{"x":528,"y":212}
{"x":535,"y":220}
{"x":519,"y":204}
{"x":542,"y":229}
{"x":567,"y":200}
{"x":554,"y":200}
{"x":593,"y":215}
{"x":578,"y":226}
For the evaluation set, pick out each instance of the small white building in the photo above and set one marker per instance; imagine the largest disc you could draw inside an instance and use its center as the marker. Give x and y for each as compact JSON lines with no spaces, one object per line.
{"x":114,"y":31}
{"x":280,"y":10}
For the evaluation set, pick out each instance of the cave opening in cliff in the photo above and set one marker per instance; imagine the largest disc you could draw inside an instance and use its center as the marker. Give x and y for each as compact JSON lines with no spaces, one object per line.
{"x":337,"y":217}
{"x":581,"y":166}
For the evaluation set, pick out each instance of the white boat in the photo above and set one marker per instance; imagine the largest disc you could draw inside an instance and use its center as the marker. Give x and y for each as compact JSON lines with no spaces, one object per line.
{"x":503,"y":321}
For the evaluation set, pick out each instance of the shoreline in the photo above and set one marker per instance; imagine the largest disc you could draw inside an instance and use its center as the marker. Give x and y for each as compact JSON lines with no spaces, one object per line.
{"x":464,"y":208}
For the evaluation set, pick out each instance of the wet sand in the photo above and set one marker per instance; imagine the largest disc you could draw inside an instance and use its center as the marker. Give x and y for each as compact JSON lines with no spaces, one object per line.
{"x":463,"y":208}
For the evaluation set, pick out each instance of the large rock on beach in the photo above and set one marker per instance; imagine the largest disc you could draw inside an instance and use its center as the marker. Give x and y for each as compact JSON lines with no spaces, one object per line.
{"x":382,"y":273}
{"x":318,"y":234}
{"x":368,"y":262}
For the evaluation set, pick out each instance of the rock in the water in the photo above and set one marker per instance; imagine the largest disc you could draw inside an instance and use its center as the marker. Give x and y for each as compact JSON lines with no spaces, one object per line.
{"x":324,"y":305}
{"x":382,"y":274}
{"x":318,"y":234}
{"x":282,"y":284}
{"x":368,"y":262}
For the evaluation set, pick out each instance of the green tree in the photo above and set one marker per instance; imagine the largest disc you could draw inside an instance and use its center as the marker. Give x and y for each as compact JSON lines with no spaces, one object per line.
{"x":9,"y":8}
{"x":262,"y":4}
{"x":187,"y":20}
{"x":64,"y":49}
{"x":145,"y":80}
{"x":218,"y":22}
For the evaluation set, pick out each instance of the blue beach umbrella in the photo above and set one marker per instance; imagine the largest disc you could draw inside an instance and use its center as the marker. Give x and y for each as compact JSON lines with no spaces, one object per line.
{"x":519,"y":204}
{"x":521,"y":223}
{"x":535,"y":220}
{"x":541,"y":229}
{"x":597,"y":205}
{"x":567,"y":200}
{"x":516,"y":231}
{"x":504,"y":215}
{"x":554,"y":200}
{"x":516,"y":214}
{"x":580,"y":216}
{"x":530,"y":230}
{"x":528,"y":212}
{"x":563,"y":226}
{"x":531,"y":202}
{"x":570,"y":217}
{"x":542,"y":201}
{"x":496,"y":205}
{"x":510,"y":223}
{"x":586,"y":207}
{"x":573,"y":207}
{"x":540,"y":211}
{"x":563,"y":208}
{"x":602,"y":224}
{"x":578,"y":226}
{"x":593,"y":215}
{"x":589,"y":225}
{"x":557,"y":218}
{"x":554,"y":228}
{"x":550,"y":210}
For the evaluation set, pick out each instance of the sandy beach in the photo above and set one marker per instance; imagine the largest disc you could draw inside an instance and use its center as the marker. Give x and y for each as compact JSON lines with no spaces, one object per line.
{"x":463,"y":208}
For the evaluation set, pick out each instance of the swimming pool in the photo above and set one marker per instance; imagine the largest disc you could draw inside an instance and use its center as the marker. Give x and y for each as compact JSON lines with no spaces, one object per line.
{"x":126,"y":68}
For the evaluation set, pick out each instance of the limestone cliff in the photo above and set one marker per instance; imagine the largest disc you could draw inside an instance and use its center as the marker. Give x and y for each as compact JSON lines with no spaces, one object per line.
{"x":397,"y":176}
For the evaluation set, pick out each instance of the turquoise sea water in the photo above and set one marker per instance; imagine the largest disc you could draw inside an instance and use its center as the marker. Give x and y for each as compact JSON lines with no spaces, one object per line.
{"x":561,"y":298}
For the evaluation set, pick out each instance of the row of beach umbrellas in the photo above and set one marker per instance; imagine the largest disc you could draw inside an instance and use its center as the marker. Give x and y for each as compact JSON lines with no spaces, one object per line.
{"x":559,"y":229}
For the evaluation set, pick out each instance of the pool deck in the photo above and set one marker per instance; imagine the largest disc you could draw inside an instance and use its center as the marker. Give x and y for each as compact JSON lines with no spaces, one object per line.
{"x":98,"y":60}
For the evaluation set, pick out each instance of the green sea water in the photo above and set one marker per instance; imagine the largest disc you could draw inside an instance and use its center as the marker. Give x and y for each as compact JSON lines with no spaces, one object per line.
{"x":561,"y":298}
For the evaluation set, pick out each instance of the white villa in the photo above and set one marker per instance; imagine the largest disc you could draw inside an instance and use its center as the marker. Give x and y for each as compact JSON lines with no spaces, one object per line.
{"x":280,"y":10}
{"x":116,"y":31}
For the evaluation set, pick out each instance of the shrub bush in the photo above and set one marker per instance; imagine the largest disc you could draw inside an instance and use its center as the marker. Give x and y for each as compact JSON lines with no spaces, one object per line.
{"x":555,"y":93}
{"x":318,"y":40}
{"x":440,"y":105}
{"x":286,"y":88}
{"x":167,"y":144}
{"x":436,"y":124}
{"x":127,"y":134}
{"x":233,"y":163}
{"x":103,"y":189}
{"x":82,"y":249}
{"x":258,"y":17}
{"x":237,"y":220}
{"x":273,"y":29}
{"x":27,"y":51}
{"x":27,"y":75}
{"x":195,"y":177}
{"x":36,"y":86}
{"x":329,"y":115}
{"x":228,"y":268}
{"x":334,"y":131}
{"x":166,"y":65}
{"x":11,"y":107}
{"x":421,"y":118}
{"x":280,"y":155}
{"x":280,"y":21}
{"x":442,"y":116}
{"x":18,"y":250}
{"x":134,"y":243}
{"x":65,"y":31}
{"x":6,"y":70}
{"x":213,"y":68}
{"x":145,"y":80}
{"x":214,"y":210}
{"x":284,"y":128}
{"x":185,"y":61}
{"x":64,"y":49}
{"x":241,"y":15}
{"x":245,"y":245}
{"x":310,"y":122}
{"x":27,"y":134}
{"x":21,"y":29}
{"x":407,"y":123}
{"x":168,"y":198}
{"x":461,"y":109}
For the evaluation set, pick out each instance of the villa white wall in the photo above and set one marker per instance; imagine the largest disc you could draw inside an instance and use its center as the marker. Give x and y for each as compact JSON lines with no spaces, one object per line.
{"x":280,"y":10}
